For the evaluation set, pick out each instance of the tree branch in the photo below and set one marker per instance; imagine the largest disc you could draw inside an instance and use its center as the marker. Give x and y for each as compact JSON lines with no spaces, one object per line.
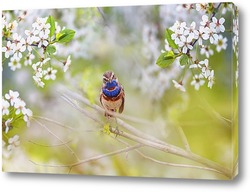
{"x":147,"y":140}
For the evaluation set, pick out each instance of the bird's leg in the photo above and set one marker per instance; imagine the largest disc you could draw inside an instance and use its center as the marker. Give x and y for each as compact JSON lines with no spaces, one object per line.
{"x":113,"y":123}
{"x":117,"y":131}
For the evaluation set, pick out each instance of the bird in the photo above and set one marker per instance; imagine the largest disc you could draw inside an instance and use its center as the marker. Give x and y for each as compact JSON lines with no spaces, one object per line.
{"x":112,"y":95}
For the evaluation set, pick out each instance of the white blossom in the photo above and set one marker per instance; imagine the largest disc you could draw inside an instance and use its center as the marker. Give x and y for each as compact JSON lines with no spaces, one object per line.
{"x":20,"y":106}
{"x":50,"y":73}
{"x":5,"y":107}
{"x":205,"y":21}
{"x":191,"y":32}
{"x":13,"y":142}
{"x":32,"y":36}
{"x":18,"y":45}
{"x":38,"y":81}
{"x":14,"y":63}
{"x":29,"y":58}
{"x":206,"y":50}
{"x":203,"y":32}
{"x":179,"y":85}
{"x":27,"y":114}
{"x":43,"y":40}
{"x":205,"y":68}
{"x":221,"y":43}
{"x":211,"y":79}
{"x":178,"y":29}
{"x":197,"y":81}
{"x":219,"y":27}
{"x":12,"y":96}
{"x":185,"y":43}
{"x":195,"y":65}
{"x":212,"y":34}
{"x":7,"y":49}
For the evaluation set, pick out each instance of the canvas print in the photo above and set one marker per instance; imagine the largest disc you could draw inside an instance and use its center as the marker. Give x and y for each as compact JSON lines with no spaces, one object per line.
{"x":135,"y":91}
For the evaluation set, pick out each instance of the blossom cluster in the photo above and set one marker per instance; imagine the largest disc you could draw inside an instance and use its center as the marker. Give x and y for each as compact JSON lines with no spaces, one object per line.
{"x":35,"y":48}
{"x":206,"y":73}
{"x":203,"y":73}
{"x":206,"y":36}
{"x":14,"y":110}
{"x":186,"y":36}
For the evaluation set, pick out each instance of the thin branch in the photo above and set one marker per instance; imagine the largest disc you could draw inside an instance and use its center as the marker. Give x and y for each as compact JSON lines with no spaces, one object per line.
{"x":55,"y":145}
{"x":183,"y":138}
{"x":177,"y":165}
{"x":210,"y":110}
{"x":66,"y":145}
{"x":53,"y":121}
{"x":95,"y":158}
{"x":85,"y":112}
{"x":60,"y":124}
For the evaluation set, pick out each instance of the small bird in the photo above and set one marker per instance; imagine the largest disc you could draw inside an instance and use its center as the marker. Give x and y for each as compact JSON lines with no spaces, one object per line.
{"x":112,"y":94}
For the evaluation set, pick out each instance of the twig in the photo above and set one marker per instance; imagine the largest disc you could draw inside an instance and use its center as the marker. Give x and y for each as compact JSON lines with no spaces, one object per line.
{"x":85,"y":112}
{"x":183,"y":138}
{"x":66,"y":145}
{"x":70,"y":166}
{"x":53,"y":121}
{"x":42,"y":145}
{"x":177,"y":165}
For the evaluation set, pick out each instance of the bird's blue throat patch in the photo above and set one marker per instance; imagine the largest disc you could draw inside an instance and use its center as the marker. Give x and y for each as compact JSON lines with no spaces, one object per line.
{"x":111,"y":89}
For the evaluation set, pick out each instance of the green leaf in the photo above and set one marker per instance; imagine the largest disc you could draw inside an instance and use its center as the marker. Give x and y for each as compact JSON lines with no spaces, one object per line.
{"x":171,"y":42}
{"x":165,"y":59}
{"x":51,"y":21}
{"x":51,"y":49}
{"x":65,"y":36}
{"x":183,"y":60}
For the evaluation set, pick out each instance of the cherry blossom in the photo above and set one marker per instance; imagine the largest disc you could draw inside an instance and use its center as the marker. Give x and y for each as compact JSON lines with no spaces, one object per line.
{"x":14,"y":63}
{"x":221,"y":43}
{"x":179,"y":85}
{"x":198,"y":80}
{"x":12,"y":96}
{"x":219,"y":27}
{"x":7,"y":50}
{"x":50,"y":73}
{"x":5,"y":107}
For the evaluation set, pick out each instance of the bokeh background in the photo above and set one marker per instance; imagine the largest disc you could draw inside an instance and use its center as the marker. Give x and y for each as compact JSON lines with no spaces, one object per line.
{"x":126,"y":40}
